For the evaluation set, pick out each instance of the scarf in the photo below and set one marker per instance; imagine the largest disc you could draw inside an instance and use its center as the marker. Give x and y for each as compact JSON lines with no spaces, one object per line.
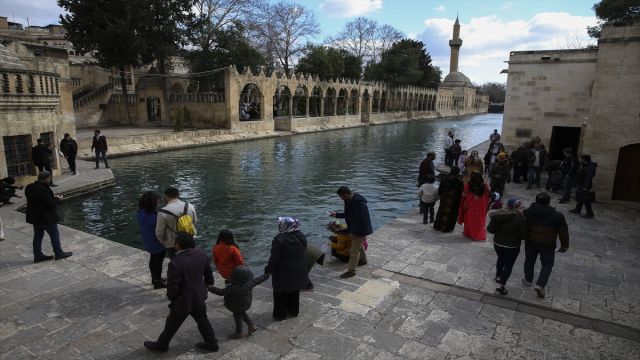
{"x":288,"y":224}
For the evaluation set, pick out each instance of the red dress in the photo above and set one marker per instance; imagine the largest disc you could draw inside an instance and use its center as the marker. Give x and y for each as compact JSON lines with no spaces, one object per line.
{"x":473,"y":213}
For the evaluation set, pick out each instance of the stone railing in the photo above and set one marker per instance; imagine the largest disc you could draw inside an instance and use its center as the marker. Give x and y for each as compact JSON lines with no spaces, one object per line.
{"x":212,"y":97}
{"x":87,"y":98}
{"x":119,"y":98}
{"x":27,"y":88}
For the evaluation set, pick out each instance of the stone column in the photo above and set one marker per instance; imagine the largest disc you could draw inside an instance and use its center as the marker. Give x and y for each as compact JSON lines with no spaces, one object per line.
{"x":306,"y":106}
{"x":321,"y":106}
{"x":335,"y":105}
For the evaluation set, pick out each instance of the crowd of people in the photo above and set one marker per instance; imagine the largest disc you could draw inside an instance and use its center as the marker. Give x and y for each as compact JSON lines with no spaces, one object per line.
{"x":471,"y":190}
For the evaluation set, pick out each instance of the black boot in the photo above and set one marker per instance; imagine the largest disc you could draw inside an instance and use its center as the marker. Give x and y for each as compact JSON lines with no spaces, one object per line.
{"x":159,"y":284}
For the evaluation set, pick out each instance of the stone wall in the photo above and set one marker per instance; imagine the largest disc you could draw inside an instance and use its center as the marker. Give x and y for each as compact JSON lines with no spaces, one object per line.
{"x":595,"y":90}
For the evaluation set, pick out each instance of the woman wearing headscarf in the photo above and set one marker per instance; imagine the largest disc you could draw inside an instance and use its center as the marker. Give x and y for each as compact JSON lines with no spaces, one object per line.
{"x":473,"y":208}
{"x":471,"y":164}
{"x":288,"y":268}
{"x":509,"y":228}
{"x":450,"y":192}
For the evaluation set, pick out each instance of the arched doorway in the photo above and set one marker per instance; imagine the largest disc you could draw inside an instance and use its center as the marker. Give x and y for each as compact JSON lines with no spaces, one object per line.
{"x":376,"y":102}
{"x":353,"y":102}
{"x":300,"y":101}
{"x":153,"y":108}
{"x":343,"y":100}
{"x":281,"y":100}
{"x":625,"y":187}
{"x":251,"y":103}
{"x":314,"y":102}
{"x":330,"y":102}
{"x":365,"y":110}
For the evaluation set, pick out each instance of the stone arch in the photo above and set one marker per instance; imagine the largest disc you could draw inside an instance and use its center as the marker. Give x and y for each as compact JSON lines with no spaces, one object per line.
{"x":383,"y":101}
{"x":342,"y":102}
{"x":375,"y":107}
{"x":354,"y":101}
{"x":251,"y":103}
{"x":282,"y":101}
{"x":315,"y":102}
{"x":177,"y":88}
{"x":330,"y":102}
{"x":300,"y":101}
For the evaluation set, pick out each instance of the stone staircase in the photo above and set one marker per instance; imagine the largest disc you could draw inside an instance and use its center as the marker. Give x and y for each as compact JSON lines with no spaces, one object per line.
{"x":88,"y":109}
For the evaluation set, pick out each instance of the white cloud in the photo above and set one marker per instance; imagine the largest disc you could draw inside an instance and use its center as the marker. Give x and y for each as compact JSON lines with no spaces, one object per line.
{"x":347,"y":8}
{"x":39,"y":12}
{"x":506,"y":5}
{"x":440,"y":8}
{"x":488,"y":40}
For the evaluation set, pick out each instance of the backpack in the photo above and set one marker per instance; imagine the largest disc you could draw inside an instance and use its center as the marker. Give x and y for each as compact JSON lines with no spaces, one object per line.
{"x":184,"y":222}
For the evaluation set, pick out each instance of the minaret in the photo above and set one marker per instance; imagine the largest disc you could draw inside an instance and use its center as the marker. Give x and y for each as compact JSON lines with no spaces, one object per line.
{"x":455,"y":45}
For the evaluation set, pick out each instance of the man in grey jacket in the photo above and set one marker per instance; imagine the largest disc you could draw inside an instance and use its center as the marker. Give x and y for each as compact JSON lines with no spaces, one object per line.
{"x":167,"y":219}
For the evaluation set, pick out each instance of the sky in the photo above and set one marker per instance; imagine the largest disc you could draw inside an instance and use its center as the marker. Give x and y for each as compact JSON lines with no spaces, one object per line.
{"x":490,"y":29}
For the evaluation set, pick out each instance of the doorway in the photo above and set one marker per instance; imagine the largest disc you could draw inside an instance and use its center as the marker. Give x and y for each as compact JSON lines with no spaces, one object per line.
{"x":153,"y":108}
{"x":625,"y":186}
{"x":563,"y":137}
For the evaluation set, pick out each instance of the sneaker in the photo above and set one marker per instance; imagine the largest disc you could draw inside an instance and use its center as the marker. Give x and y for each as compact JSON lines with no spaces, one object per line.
{"x":348,"y":274}
{"x":43,"y":258}
{"x":207,"y":346}
{"x":540,"y":291}
{"x":159,"y":284}
{"x":526,"y":283}
{"x":251,"y":330}
{"x":154,"y":346}
{"x":502,"y":290}
{"x":64,"y":255}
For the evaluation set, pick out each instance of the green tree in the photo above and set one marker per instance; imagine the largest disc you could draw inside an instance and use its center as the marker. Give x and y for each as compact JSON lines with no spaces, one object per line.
{"x":229,"y":47}
{"x":496,"y":91}
{"x":329,"y":63}
{"x":406,"y":62}
{"x":612,"y":11}
{"x":165,"y":30}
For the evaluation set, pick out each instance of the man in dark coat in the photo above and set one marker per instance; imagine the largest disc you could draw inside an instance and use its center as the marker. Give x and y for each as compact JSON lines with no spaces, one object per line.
{"x":188,"y":276}
{"x":41,"y":155}
{"x":569,"y":168}
{"x":42,"y":214}
{"x":544,"y":226}
{"x":69,"y":148}
{"x":356,"y":214}
{"x":99,"y":143}
{"x":288,"y":267}
{"x":584,"y":183}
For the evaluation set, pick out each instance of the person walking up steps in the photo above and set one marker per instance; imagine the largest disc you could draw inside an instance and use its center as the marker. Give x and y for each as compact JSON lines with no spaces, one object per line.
{"x":544,"y":225}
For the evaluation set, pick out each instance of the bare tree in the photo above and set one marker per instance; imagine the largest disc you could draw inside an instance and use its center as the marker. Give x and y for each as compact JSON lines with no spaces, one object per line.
{"x":212,"y":16}
{"x":365,"y":38}
{"x":386,"y":35}
{"x":282,"y":30}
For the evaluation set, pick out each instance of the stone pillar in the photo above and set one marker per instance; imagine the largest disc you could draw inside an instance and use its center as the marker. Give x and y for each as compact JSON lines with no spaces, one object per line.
{"x":335,"y":105}
{"x":306,"y":106}
{"x":290,"y":106}
{"x":321,"y":106}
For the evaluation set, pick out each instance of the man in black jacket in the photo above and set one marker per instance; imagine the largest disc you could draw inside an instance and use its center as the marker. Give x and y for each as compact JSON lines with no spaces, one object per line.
{"x":544,"y":226}
{"x":42,"y":214}
{"x":41,"y":155}
{"x":99,"y":143}
{"x":188,"y":276}
{"x":69,"y":148}
{"x":569,"y":168}
{"x":356,"y":214}
{"x":584,"y":182}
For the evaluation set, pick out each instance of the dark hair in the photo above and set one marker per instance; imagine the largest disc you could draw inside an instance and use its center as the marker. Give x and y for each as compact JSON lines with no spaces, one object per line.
{"x":431,"y":153}
{"x":39,"y":141}
{"x":172,"y":193}
{"x":586,"y":158}
{"x":149,"y":202}
{"x":343,"y":190}
{"x":430,"y":179}
{"x":9,"y":180}
{"x":567,"y":151}
{"x":476,"y":183}
{"x":458,"y":141}
{"x":67,"y":134}
{"x":543,"y":198}
{"x":185,"y":240}
{"x":97,"y":131}
{"x":226,"y":236}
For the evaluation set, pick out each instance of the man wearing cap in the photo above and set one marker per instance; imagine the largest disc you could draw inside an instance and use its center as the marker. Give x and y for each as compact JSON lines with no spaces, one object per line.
{"x":42,"y":214}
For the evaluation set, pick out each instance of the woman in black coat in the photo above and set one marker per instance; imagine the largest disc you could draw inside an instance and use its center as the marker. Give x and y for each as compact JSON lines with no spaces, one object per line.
{"x":288,"y":268}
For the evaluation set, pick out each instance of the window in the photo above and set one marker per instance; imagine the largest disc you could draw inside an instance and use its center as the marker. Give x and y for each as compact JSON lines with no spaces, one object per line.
{"x":17,"y":152}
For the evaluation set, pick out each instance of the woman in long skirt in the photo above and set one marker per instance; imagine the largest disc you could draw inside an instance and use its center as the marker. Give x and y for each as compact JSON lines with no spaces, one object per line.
{"x":473,"y":208}
{"x":450,"y":192}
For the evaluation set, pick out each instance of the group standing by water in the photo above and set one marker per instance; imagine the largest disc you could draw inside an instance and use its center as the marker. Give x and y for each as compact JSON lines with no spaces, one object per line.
{"x":170,"y":232}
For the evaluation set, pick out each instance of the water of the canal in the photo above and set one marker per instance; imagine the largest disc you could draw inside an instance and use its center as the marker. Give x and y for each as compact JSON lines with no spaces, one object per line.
{"x":245,"y":186}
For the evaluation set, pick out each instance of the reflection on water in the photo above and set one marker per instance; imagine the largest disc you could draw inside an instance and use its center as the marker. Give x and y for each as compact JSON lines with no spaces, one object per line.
{"x":246,"y":186}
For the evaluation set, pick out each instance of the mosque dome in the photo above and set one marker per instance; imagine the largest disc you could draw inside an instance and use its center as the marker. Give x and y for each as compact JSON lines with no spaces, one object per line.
{"x":456,"y":78}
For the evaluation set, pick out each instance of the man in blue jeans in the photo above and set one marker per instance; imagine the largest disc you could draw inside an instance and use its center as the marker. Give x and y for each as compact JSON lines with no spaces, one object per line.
{"x":42,"y":214}
{"x":544,"y":225}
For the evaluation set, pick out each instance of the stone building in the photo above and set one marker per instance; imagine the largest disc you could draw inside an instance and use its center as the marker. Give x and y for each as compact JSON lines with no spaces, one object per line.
{"x":35,"y":102}
{"x":586,"y":99}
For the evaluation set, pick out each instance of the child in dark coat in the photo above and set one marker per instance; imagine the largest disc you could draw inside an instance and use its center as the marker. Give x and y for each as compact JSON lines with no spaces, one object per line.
{"x":238,"y":297}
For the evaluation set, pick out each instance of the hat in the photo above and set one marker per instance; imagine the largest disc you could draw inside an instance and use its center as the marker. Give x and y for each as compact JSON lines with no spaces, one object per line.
{"x":44,"y":175}
{"x":514,"y":203}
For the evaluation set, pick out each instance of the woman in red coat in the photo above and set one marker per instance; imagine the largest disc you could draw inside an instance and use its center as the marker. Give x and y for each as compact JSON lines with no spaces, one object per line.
{"x":473,"y":208}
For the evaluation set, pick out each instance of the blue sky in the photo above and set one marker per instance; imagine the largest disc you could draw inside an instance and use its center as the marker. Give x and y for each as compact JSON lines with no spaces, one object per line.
{"x":490,"y":28}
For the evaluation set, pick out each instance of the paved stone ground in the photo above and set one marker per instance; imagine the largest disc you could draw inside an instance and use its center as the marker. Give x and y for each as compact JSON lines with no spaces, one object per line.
{"x":99,"y":304}
{"x":599,"y":277}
